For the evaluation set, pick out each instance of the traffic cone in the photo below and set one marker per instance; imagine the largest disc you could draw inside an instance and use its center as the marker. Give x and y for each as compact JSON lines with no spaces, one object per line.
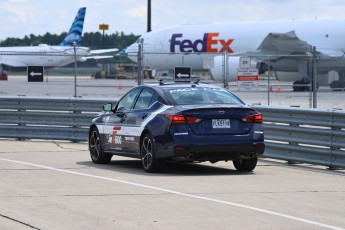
{"x":270,"y":88}
{"x":279,"y":89}
{"x":119,"y":86}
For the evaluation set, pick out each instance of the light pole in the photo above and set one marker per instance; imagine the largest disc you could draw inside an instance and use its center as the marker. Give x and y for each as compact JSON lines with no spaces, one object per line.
{"x":103,"y":27}
{"x":75,"y":68}
{"x":148,"y":15}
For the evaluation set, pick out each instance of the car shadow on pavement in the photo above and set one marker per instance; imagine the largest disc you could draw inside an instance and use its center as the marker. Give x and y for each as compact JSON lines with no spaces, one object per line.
{"x":133,"y":166}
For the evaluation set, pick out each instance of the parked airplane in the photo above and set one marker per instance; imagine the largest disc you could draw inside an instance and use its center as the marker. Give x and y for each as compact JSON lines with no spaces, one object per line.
{"x":285,"y":45}
{"x":52,"y":56}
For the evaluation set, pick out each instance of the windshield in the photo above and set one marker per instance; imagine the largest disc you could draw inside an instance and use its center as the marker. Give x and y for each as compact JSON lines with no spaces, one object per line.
{"x":201,"y":96}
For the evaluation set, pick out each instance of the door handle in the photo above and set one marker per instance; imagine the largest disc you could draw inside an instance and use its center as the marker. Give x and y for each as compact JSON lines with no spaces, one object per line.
{"x":144,"y":115}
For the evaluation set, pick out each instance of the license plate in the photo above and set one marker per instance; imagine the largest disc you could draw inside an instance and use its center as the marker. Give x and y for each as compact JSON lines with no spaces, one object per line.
{"x":221,"y":123}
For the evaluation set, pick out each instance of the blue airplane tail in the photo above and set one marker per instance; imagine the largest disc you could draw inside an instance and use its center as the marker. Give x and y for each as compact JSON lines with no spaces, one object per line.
{"x":75,"y":32}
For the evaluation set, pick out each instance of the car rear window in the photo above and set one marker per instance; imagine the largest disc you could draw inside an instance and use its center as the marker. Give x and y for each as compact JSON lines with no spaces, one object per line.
{"x":200,"y":96}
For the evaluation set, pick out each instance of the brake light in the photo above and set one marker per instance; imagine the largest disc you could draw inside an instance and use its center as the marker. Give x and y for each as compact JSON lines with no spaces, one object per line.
{"x":180,"y":119}
{"x":255,"y":118}
{"x":176,"y":119}
{"x":193,"y":120}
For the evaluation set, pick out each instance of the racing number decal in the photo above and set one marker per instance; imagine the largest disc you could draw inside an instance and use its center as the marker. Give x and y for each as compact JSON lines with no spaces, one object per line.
{"x":116,"y":139}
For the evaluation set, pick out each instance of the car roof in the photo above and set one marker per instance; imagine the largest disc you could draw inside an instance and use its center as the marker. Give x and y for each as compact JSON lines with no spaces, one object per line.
{"x":182,"y":85}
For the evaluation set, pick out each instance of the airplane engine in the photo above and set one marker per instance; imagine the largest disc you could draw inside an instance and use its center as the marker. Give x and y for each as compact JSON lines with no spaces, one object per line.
{"x":218,"y":70}
{"x":262,"y":67}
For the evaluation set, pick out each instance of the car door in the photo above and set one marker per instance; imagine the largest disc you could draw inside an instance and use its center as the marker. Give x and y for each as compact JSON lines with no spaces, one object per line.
{"x":136,"y":117}
{"x":115,"y":123}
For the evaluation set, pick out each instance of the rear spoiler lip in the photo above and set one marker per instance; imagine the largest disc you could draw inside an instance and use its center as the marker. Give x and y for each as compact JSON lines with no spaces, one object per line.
{"x":211,"y":106}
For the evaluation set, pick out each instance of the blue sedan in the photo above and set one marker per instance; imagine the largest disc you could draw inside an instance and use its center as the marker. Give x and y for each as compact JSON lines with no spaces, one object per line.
{"x":178,"y":122}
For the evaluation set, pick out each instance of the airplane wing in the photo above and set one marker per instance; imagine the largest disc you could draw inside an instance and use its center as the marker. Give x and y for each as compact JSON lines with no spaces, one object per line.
{"x":94,"y":57}
{"x":92,"y":53}
{"x":284,"y":43}
{"x":324,"y":53}
{"x":281,"y":44}
{"x":101,"y":51}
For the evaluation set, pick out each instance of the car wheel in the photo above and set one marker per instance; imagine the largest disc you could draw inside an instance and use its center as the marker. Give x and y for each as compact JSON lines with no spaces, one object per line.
{"x":245,"y":165}
{"x":96,"y":149}
{"x":148,"y":156}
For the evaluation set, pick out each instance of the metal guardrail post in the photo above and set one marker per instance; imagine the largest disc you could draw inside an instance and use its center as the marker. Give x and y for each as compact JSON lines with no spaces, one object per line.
{"x":333,"y":148}
{"x":75,"y":111}
{"x":292,"y":143}
{"x":20,"y":124}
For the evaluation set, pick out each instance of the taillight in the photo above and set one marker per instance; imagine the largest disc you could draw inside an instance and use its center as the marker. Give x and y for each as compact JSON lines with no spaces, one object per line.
{"x":193,"y":120}
{"x":180,"y":119}
{"x":176,"y":119}
{"x":255,"y":118}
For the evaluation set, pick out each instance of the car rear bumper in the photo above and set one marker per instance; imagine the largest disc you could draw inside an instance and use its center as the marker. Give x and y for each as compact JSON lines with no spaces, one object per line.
{"x":213,"y":152}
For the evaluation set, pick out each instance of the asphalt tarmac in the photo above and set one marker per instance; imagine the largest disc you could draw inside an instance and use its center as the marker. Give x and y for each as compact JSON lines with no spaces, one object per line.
{"x":54,"y":185}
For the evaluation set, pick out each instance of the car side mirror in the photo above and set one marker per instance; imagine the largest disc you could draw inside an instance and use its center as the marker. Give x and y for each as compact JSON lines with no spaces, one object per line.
{"x":107,"y":107}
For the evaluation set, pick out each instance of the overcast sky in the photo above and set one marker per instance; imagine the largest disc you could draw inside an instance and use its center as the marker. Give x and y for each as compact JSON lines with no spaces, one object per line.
{"x":23,"y":17}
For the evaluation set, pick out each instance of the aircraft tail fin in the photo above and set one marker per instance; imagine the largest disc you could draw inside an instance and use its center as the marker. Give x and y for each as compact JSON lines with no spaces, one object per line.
{"x":75,"y":32}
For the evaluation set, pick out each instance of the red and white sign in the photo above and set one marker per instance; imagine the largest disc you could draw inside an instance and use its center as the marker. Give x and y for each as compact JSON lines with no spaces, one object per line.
{"x":247,"y":78}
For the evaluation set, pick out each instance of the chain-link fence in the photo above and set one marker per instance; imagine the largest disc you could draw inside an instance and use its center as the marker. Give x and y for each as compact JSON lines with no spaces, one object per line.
{"x":279,"y":81}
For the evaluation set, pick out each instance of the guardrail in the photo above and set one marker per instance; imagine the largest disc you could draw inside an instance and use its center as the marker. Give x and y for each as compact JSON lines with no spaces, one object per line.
{"x":305,"y":135}
{"x":291,"y":134}
{"x":56,"y":118}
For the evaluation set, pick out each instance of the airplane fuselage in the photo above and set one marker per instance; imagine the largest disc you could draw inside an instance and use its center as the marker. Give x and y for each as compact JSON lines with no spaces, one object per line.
{"x":194,"y":45}
{"x":42,"y":55}
{"x":65,"y":53}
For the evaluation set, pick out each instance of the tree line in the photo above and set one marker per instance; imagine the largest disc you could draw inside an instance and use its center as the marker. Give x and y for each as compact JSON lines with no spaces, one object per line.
{"x":94,"y":40}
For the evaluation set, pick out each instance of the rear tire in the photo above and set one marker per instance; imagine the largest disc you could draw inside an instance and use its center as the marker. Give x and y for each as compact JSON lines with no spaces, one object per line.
{"x":245,"y":165}
{"x":148,"y":155}
{"x":96,"y":148}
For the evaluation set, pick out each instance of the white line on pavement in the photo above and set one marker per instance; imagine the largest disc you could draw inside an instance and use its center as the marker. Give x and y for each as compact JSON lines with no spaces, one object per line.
{"x":180,"y":194}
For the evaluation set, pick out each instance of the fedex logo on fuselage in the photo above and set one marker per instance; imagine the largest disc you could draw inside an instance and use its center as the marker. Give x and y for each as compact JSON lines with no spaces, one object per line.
{"x":209,"y":43}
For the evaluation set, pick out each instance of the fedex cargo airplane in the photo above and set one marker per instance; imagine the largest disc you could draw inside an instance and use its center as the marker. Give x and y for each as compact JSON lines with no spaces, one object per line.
{"x":285,"y":45}
{"x":52,"y":56}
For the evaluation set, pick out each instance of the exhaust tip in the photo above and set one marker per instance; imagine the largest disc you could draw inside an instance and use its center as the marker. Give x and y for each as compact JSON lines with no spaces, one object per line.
{"x":191,"y":156}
